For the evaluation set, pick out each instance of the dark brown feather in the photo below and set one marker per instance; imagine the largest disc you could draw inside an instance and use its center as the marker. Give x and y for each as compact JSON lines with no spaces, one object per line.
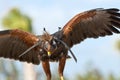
{"x":15,"y":42}
{"x":91,"y":24}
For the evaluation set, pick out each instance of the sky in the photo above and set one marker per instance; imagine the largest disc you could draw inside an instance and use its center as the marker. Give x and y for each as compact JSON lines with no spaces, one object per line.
{"x":51,"y":14}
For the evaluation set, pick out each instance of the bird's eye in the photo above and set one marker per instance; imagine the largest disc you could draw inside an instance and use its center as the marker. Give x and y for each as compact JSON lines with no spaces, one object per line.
{"x":46,"y":45}
{"x":54,"y":43}
{"x":41,"y":50}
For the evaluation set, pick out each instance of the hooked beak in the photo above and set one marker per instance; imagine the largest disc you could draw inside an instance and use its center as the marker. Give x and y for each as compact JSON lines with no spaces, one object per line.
{"x":49,"y":53}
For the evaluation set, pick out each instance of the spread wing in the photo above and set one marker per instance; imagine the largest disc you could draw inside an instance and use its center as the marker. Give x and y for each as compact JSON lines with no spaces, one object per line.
{"x":91,"y":24}
{"x":15,"y":42}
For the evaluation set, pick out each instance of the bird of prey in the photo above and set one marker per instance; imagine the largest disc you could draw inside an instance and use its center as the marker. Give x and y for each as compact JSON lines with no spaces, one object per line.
{"x":27,"y":47}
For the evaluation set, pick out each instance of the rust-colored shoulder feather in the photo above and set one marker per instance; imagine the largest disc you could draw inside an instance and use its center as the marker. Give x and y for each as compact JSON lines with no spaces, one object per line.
{"x":28,"y":38}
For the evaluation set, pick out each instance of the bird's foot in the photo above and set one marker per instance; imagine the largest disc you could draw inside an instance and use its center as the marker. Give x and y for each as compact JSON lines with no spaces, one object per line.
{"x":61,"y":78}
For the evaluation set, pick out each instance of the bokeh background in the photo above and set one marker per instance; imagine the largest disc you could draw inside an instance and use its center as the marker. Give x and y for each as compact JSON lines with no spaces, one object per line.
{"x":98,"y":59}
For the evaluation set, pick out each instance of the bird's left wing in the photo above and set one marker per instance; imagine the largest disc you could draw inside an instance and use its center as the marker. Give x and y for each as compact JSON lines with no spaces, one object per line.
{"x":14,"y":42}
{"x":91,"y":24}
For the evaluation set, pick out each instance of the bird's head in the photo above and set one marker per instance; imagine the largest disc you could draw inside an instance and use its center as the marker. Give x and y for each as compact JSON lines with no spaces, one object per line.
{"x":50,"y":44}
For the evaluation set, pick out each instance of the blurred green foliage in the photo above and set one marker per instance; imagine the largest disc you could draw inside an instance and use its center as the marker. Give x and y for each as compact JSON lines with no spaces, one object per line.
{"x":118,"y":44}
{"x":16,"y":20}
{"x":95,"y":74}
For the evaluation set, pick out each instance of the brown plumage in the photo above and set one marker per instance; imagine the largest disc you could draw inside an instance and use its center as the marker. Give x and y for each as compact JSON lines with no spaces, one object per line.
{"x":24,"y":46}
{"x":91,"y":24}
{"x":15,"y":42}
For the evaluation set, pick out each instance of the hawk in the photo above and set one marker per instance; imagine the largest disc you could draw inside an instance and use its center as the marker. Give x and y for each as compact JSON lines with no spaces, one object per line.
{"x":27,"y":47}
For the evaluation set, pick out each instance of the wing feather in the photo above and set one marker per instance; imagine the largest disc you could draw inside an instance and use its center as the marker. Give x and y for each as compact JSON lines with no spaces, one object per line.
{"x":91,"y":24}
{"x":15,"y":42}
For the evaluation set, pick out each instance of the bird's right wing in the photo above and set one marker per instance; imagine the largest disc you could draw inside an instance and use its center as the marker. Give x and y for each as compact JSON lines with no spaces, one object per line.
{"x":14,"y":42}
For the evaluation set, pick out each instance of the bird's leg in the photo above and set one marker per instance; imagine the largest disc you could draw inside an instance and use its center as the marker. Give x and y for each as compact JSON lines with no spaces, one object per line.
{"x":62,"y":62}
{"x":46,"y":67}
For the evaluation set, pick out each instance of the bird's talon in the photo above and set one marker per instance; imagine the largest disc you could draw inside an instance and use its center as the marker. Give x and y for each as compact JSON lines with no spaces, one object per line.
{"x":61,"y":78}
